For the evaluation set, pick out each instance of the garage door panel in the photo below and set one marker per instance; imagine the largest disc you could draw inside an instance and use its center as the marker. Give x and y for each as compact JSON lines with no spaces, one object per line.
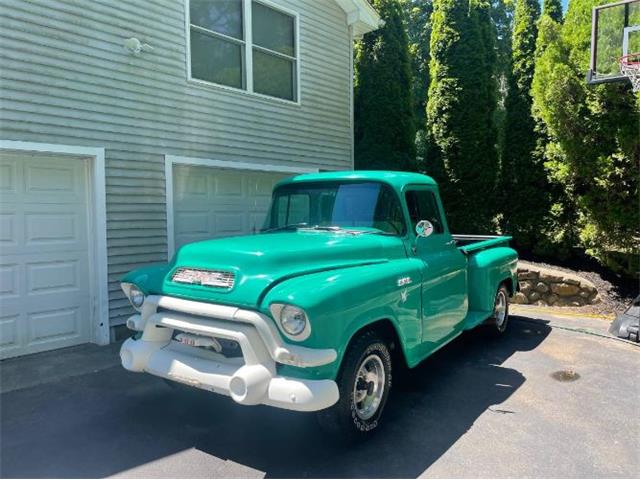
{"x":229,"y":224}
{"x":54,"y":276}
{"x":48,"y":179}
{"x":194,"y":226}
{"x":55,"y":324}
{"x":9,"y":331}
{"x":8,"y":230}
{"x":227,"y":186}
{"x":8,"y":177}
{"x":44,"y":254}
{"x":189,"y":185}
{"x":52,"y":228}
{"x":236,"y":202}
{"x":9,"y":281}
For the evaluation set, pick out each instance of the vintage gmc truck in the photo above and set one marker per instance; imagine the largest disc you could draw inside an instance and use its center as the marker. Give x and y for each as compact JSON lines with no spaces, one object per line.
{"x":354,"y":275}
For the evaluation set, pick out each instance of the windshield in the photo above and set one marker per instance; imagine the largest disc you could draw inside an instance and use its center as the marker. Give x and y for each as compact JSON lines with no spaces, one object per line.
{"x":332,"y":204}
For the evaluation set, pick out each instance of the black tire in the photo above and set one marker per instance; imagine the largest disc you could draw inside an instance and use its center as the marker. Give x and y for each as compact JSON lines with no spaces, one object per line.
{"x":346,"y":418}
{"x":498,"y":322}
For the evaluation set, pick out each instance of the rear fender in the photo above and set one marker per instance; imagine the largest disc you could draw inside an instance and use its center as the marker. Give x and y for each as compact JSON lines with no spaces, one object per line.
{"x":487,"y":270}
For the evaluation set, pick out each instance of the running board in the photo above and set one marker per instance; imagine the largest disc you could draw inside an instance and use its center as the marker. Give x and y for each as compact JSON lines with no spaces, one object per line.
{"x":475,"y":318}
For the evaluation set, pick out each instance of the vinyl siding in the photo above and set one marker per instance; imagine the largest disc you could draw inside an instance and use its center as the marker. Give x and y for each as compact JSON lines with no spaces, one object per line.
{"x":66,"y":79}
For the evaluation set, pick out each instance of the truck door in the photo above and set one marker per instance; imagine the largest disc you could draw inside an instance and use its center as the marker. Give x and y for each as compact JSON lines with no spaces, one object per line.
{"x":444,"y":281}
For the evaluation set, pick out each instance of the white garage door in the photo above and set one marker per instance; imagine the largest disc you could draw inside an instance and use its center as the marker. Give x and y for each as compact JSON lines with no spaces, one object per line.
{"x":212,"y":202}
{"x":44,"y":256}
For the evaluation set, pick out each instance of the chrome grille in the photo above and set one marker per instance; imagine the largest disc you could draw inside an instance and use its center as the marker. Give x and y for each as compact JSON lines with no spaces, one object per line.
{"x":206,"y":278}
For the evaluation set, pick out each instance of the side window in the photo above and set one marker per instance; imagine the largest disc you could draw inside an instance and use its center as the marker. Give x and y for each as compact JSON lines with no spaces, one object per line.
{"x":422,"y":205}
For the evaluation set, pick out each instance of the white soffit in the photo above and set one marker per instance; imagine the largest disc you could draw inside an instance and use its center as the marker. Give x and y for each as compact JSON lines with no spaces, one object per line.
{"x":361,"y":16}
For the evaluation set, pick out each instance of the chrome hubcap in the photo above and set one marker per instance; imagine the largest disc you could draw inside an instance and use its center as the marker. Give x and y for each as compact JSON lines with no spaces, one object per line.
{"x":500,"y":309}
{"x":369,"y":387}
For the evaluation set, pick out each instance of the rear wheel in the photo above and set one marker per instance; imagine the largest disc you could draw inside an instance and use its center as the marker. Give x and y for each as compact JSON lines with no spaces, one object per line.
{"x":364,"y":383}
{"x":500,"y":317}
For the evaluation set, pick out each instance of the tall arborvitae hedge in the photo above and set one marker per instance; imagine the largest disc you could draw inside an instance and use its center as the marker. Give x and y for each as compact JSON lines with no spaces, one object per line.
{"x":418,"y":17}
{"x":384,"y":111}
{"x":523,"y":177}
{"x":553,"y":8}
{"x":502,"y":14}
{"x":593,"y":153}
{"x":460,"y":112}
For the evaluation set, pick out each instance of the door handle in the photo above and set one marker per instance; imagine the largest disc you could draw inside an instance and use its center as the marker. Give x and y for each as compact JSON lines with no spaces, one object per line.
{"x":450,"y":243}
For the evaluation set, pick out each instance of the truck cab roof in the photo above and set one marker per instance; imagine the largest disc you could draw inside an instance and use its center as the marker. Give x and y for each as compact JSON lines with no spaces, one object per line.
{"x":396,"y":179}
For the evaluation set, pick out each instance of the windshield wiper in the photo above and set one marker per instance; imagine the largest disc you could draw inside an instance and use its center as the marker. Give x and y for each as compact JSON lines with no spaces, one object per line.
{"x":306,"y":226}
{"x":290,"y":226}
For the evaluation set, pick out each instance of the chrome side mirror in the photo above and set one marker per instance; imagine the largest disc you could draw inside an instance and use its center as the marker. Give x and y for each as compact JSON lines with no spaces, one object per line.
{"x":424,"y":228}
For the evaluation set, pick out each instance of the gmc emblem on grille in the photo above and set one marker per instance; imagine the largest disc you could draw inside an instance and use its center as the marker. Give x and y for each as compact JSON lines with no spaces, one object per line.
{"x":206,"y":278}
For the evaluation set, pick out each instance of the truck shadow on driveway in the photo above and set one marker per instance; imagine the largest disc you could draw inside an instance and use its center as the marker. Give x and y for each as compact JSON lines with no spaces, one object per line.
{"x":115,"y":421}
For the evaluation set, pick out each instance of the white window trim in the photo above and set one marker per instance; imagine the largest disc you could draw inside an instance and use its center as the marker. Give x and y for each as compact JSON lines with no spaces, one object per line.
{"x":99,"y":301}
{"x":248,"y":54}
{"x":171,"y":160}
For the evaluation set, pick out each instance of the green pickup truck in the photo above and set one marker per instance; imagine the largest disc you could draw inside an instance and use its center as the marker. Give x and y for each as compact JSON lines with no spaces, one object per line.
{"x":355,"y":275}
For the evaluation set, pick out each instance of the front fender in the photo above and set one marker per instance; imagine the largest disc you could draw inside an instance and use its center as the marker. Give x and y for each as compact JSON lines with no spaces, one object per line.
{"x":148,"y":279}
{"x":341,"y":302}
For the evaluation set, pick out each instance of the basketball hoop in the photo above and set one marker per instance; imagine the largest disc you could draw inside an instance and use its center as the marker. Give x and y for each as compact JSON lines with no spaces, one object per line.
{"x":630,"y":68}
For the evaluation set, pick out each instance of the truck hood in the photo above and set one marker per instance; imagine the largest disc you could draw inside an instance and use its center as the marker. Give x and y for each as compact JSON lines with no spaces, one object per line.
{"x":260,"y":261}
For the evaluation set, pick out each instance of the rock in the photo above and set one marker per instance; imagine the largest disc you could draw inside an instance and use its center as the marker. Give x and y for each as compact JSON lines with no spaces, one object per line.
{"x":576,"y":302}
{"x":542,"y":287}
{"x":533,"y":296}
{"x":541,"y":303}
{"x":571,"y":281}
{"x":551,"y":299}
{"x":520,"y":298}
{"x":589,"y":287}
{"x":564,"y":289}
{"x":526,"y":287}
{"x":527,"y":275}
{"x":585,"y":293}
{"x":551,"y":277}
{"x":595,"y":300}
{"x":561,"y":302}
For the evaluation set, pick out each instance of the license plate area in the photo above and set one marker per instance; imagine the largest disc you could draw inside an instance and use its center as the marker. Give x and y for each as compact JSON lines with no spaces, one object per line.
{"x":228,"y":348}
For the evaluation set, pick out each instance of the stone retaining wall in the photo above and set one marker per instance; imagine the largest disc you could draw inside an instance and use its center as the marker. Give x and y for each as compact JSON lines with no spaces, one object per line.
{"x":544,"y":286}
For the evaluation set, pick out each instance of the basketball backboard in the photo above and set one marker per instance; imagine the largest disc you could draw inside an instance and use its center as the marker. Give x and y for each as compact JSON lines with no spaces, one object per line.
{"x":615,"y":31}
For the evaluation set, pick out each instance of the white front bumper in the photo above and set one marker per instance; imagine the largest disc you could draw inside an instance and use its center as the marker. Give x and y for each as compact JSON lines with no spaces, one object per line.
{"x":250,"y":379}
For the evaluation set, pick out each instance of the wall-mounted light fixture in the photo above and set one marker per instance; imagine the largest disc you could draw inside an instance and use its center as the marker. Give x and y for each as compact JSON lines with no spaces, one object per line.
{"x":135,"y":46}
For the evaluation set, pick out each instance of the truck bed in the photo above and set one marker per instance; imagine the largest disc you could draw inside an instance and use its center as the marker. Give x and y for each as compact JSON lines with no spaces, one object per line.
{"x":473,"y":243}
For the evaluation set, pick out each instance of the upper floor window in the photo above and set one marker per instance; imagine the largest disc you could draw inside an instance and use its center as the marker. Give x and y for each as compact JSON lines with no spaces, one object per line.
{"x":225,"y":50}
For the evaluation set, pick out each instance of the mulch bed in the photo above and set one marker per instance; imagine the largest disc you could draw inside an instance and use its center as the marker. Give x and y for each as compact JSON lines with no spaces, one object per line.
{"x":616,"y":291}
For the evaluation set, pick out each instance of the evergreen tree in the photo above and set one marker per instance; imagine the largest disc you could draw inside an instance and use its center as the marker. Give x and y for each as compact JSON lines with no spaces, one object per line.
{"x":558,"y":233}
{"x":553,"y":9}
{"x":460,"y":112}
{"x":523,"y":178}
{"x":594,"y":148}
{"x":502,"y":15}
{"x":384,"y":110}
{"x":418,"y":15}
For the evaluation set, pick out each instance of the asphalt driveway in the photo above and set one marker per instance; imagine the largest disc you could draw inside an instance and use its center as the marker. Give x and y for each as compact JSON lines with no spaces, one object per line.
{"x":478,"y":408}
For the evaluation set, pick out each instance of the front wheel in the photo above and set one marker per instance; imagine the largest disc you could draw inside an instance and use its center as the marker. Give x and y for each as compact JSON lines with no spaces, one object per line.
{"x":500,"y":317}
{"x":364,"y":383}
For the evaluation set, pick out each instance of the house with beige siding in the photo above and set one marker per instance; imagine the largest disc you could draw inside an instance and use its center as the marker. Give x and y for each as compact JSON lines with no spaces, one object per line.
{"x":129,"y":128}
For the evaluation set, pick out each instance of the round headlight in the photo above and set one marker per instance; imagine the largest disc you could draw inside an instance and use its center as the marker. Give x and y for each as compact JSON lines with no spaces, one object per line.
{"x":136,"y":297}
{"x":293,"y":320}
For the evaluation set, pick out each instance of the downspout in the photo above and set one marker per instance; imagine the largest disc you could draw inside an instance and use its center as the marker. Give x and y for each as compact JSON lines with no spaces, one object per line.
{"x":351,"y":96}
